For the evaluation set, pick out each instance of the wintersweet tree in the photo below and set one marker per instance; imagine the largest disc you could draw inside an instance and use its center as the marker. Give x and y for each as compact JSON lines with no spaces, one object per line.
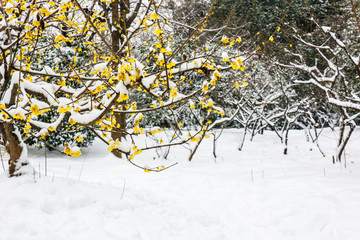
{"x":106,"y":93}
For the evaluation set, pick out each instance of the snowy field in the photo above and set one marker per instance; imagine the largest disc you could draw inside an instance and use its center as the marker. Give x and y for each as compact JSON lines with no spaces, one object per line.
{"x":254,"y":194}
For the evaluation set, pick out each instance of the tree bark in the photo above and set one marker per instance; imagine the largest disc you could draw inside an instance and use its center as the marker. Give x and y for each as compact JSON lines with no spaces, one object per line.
{"x":119,"y":25}
{"x":14,"y":147}
{"x":120,"y":130}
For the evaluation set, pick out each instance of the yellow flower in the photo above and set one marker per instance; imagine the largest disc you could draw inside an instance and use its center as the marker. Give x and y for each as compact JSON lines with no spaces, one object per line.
{"x":9,"y":10}
{"x":61,"y":17}
{"x":138,"y":152}
{"x":2,"y":106}
{"x":158,"y":31}
{"x":224,"y":39}
{"x":158,"y":45}
{"x":67,"y":151}
{"x":194,"y":139}
{"x":72,"y":121}
{"x":62,"y":110}
{"x":271,"y":39}
{"x":205,"y":88}
{"x":79,"y":139}
{"x":98,"y":88}
{"x":18,"y":116}
{"x":44,"y":135}
{"x":225,"y":57}
{"x":123,"y":97}
{"x":51,"y":129}
{"x":5,"y":116}
{"x":35,"y":110}
{"x":234,"y":65}
{"x":76,"y":154}
{"x":112,"y":147}
{"x":36,"y":23}
{"x":136,"y":130}
{"x":154,"y":16}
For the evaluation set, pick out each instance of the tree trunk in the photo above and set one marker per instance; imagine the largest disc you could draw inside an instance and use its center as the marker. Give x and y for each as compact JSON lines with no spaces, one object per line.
{"x":119,"y":131}
{"x":15,"y":148}
{"x":343,"y":140}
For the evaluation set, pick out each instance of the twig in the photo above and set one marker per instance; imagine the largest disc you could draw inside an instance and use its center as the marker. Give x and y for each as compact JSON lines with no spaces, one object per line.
{"x":2,"y":161}
{"x":122,"y":194}
{"x":45,"y":162}
{"x":82,"y":166}
{"x":67,"y":175}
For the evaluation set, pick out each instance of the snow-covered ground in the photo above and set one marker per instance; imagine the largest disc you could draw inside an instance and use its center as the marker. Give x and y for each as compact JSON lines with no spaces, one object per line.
{"x":257,"y":193}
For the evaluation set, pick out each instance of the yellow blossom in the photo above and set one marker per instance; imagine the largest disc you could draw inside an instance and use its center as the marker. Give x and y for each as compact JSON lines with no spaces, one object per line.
{"x":76,"y":154}
{"x":224,"y":39}
{"x":62,"y":110}
{"x":35,"y":110}
{"x":158,"y":31}
{"x":67,"y":151}
{"x":154,"y":16}
{"x":18,"y":116}
{"x":111,"y":147}
{"x":234,"y":65}
{"x":72,"y":121}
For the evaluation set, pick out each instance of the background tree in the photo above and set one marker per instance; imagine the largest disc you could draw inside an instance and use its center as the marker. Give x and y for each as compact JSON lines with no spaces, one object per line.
{"x":334,"y":70}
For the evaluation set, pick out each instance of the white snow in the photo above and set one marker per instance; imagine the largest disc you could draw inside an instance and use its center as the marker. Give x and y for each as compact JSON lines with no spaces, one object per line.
{"x":326,"y":29}
{"x":100,"y":66}
{"x":255,"y":194}
{"x":147,"y":81}
{"x":48,"y":70}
